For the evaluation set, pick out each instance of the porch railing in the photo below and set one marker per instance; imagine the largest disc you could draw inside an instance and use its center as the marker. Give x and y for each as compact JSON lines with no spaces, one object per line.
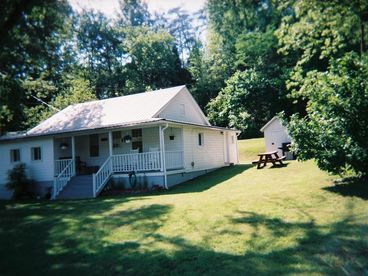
{"x":59,"y":165}
{"x":138,"y":162}
{"x":63,"y":177}
{"x":102,"y":176}
{"x":146,"y":161}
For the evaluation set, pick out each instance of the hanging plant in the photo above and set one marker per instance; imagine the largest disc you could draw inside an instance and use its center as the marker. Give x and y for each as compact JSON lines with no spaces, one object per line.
{"x":127,"y":139}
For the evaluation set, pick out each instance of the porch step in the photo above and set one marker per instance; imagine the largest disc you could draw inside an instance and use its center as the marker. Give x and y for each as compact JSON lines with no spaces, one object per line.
{"x":77,"y":188}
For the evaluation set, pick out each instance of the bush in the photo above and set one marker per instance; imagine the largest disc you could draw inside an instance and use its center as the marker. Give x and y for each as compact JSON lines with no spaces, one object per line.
{"x":19,"y":183}
{"x":335,"y":132}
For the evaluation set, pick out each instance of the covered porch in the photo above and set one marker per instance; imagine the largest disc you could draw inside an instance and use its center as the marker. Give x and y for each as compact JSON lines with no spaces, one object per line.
{"x":147,"y":149}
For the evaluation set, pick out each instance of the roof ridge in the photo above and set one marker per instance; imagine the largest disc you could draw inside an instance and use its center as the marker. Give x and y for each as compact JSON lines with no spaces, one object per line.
{"x":130,"y":95}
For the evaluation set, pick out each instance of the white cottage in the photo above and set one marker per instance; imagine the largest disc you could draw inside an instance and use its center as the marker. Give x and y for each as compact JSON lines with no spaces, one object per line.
{"x":276,"y":137}
{"x":162,"y":136}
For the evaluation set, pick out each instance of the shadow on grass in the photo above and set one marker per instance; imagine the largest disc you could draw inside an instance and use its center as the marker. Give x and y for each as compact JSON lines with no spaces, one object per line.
{"x":95,"y":239}
{"x":209,"y":180}
{"x":351,"y":186}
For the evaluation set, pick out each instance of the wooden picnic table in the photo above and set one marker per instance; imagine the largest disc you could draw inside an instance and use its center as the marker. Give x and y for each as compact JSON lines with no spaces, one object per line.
{"x":268,"y":157}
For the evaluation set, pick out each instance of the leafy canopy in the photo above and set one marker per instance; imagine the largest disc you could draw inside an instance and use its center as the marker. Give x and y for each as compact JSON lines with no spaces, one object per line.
{"x":335,"y":132}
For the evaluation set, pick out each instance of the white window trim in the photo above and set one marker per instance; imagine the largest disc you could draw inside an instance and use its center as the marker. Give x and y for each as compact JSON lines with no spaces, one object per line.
{"x":38,"y":160}
{"x":20,"y":156}
{"x":202,"y":139}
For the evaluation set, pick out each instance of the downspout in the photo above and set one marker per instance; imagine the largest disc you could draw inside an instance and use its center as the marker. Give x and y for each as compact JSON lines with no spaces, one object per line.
{"x":163,"y":154}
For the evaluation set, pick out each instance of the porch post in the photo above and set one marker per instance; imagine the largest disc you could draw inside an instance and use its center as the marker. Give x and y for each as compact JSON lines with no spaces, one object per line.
{"x":162,"y":151}
{"x":110,"y":143}
{"x":73,"y":153}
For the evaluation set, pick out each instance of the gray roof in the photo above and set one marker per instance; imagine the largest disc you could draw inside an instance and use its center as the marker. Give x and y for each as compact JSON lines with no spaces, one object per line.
{"x":124,"y":111}
{"x":104,"y":113}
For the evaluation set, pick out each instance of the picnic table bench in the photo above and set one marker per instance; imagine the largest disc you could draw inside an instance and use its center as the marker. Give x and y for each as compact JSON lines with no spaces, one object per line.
{"x":268,"y":157}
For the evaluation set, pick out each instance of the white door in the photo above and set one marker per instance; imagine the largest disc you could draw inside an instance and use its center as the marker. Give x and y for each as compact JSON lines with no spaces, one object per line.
{"x":274,"y":141}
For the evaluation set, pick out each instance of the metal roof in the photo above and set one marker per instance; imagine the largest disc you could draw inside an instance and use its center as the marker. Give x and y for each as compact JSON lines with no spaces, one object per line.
{"x":104,"y":113}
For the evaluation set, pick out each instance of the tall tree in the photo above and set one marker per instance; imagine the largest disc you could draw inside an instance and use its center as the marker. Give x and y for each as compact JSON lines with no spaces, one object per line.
{"x":180,"y":26}
{"x":101,"y":53}
{"x":153,"y":60}
{"x":32,"y":47}
{"x":133,"y":13}
{"x":330,"y":77}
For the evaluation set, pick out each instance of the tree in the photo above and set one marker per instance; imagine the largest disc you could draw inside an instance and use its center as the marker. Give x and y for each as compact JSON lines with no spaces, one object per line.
{"x":32,"y":47}
{"x":318,"y":31}
{"x":133,"y":13}
{"x":153,"y":60}
{"x":246,"y":103}
{"x":180,"y":26}
{"x":335,"y":132}
{"x":101,"y":53}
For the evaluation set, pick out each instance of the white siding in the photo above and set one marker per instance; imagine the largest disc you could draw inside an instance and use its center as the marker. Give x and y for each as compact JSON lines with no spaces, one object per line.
{"x":231,"y":141}
{"x":40,"y":170}
{"x":183,"y":108}
{"x":177,"y":143}
{"x":210,"y":155}
{"x":275,"y":134}
{"x":151,"y":139}
{"x":82,"y":149}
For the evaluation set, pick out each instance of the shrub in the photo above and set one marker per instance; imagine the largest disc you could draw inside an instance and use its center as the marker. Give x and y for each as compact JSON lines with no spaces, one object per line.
{"x":19,"y":183}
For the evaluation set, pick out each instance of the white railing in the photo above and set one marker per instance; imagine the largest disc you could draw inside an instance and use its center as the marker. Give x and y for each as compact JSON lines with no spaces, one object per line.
{"x":63,"y":177}
{"x":146,"y":161}
{"x":59,"y":165}
{"x":174,"y":159}
{"x":102,"y":176}
{"x":137,"y":162}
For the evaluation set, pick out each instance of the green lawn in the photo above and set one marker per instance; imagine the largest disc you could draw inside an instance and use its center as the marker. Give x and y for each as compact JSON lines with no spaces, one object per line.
{"x":237,"y":220}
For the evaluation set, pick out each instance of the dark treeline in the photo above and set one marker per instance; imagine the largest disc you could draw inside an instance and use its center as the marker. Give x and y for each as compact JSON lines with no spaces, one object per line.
{"x":303,"y":57}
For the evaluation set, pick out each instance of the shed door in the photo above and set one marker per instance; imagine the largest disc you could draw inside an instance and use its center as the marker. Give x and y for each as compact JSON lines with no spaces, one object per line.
{"x":274,"y":140}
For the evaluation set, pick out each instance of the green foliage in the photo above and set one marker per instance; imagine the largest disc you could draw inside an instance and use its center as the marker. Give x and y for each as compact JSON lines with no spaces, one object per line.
{"x":18,"y":182}
{"x":247,"y":102}
{"x":319,"y":31}
{"x":153,"y":60}
{"x":33,"y":56}
{"x":133,"y":13}
{"x":101,"y":53}
{"x":335,"y":132}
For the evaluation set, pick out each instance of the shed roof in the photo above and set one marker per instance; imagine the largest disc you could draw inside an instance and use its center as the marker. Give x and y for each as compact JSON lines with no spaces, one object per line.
{"x":268,"y":123}
{"x":104,"y":113}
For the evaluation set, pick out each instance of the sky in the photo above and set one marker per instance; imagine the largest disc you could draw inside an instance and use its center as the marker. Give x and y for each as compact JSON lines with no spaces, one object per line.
{"x":108,"y":7}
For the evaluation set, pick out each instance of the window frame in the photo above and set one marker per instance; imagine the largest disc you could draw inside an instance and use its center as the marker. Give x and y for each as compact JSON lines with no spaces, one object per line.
{"x":11,"y":155}
{"x":33,"y":154}
{"x":200,"y":139}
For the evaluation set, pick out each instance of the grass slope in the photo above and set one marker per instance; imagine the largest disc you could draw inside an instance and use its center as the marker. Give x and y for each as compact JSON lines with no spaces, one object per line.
{"x":236,"y":220}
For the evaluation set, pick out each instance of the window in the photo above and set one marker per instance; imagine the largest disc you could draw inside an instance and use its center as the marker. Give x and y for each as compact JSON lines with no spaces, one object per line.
{"x":14,"y":155}
{"x":93,"y":145}
{"x":200,"y":139}
{"x":232,"y":139}
{"x":36,"y":154}
{"x":137,"y":139}
{"x":116,"y":137}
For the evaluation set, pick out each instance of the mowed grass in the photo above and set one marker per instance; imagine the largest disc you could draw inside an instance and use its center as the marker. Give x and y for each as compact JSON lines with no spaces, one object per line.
{"x":237,"y":220}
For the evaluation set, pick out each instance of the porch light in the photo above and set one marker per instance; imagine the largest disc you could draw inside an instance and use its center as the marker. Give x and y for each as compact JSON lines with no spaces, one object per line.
{"x":63,"y":146}
{"x":127,"y":139}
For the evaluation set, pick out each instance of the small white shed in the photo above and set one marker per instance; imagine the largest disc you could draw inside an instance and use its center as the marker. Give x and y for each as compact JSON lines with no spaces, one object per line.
{"x":275,"y":135}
